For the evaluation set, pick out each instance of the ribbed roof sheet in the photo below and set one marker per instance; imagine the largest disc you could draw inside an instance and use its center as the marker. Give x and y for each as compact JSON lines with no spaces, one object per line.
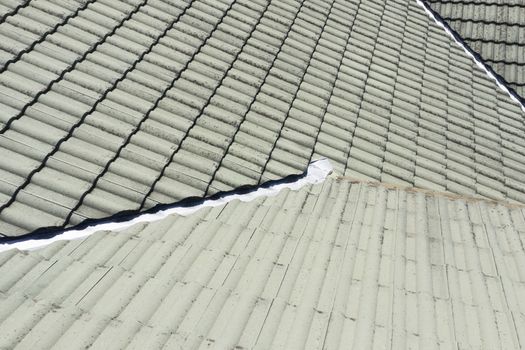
{"x":109,"y":106}
{"x":339,"y":265}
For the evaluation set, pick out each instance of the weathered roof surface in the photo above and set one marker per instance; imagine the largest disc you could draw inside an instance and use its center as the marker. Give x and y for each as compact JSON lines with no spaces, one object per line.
{"x":495,"y":29}
{"x":337,"y":265}
{"x":107,"y":106}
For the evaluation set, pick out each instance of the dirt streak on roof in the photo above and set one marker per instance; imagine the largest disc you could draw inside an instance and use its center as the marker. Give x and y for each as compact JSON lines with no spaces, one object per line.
{"x":449,"y":195}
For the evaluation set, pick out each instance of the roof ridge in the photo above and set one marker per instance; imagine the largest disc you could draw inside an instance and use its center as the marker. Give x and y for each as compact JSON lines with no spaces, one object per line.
{"x":502,"y":83}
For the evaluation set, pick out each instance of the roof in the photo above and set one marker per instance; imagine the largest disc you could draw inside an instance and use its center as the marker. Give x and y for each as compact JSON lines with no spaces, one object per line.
{"x":495,"y":30}
{"x":119,"y":106}
{"x":342,"y":264}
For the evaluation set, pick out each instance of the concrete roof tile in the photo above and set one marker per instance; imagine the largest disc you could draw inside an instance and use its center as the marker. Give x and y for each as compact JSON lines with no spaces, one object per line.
{"x":210,"y":270}
{"x":160,"y":74}
{"x":362,"y":170}
{"x":491,"y":29}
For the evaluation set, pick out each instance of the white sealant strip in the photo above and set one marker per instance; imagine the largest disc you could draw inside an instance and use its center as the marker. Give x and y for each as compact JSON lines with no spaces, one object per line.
{"x":317,"y":172}
{"x":480,"y":64}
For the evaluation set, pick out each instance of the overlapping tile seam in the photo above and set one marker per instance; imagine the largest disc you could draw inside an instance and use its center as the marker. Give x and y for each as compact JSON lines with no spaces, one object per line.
{"x":163,"y":94}
{"x":252,"y":101}
{"x":502,"y":83}
{"x":97,"y":102}
{"x":145,"y":117}
{"x":53,"y":30}
{"x":116,"y":155}
{"x":28,"y":179}
{"x":59,"y":78}
{"x":14,"y":10}
{"x":331,"y":78}
{"x":106,"y":167}
{"x":343,"y":265}
{"x":378,"y":32}
{"x":458,"y":18}
{"x":470,"y":2}
{"x":69,"y":69}
{"x":387,"y":121}
{"x":233,"y":138}
{"x":276,"y":143}
{"x":317,"y":172}
{"x":273,"y":147}
{"x":293,"y":134}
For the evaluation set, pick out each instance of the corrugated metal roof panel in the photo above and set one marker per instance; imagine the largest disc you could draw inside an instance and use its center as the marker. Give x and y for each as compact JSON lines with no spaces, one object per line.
{"x":112,"y":106}
{"x":342,"y":265}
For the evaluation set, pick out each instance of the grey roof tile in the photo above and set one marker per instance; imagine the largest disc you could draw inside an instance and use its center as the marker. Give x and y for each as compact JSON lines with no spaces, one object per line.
{"x":111,"y":106}
{"x":492,"y":30}
{"x":340,"y":264}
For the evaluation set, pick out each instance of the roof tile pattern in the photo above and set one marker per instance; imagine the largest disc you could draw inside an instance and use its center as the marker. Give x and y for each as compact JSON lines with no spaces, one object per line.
{"x":113,"y":106}
{"x":495,"y":29}
{"x":338,"y":265}
{"x":410,"y":119}
{"x":9,"y":8}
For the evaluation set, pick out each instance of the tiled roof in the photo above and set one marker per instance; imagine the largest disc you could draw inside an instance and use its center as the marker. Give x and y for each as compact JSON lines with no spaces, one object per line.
{"x":109,"y":106}
{"x":337,"y":265}
{"x":495,"y":29}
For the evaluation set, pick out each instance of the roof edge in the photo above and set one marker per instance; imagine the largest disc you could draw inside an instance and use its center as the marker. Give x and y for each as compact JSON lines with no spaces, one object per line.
{"x":316,"y":172}
{"x":502,"y":83}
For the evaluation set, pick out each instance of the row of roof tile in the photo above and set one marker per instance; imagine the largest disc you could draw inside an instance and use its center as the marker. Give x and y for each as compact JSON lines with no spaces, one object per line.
{"x":495,"y":30}
{"x":339,"y":265}
{"x":120,"y":106}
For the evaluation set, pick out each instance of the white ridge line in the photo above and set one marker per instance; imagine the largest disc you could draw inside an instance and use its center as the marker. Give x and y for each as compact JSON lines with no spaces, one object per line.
{"x":480,"y":64}
{"x":317,"y":172}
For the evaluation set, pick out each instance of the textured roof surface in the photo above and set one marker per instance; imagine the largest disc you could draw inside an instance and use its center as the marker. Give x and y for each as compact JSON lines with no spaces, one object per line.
{"x":495,"y":29}
{"x":337,"y":265}
{"x":109,"y":105}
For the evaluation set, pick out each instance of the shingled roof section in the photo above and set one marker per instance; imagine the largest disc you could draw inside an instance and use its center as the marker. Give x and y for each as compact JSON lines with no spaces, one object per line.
{"x":495,"y":29}
{"x":110,"y":106}
{"x":338,"y":265}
